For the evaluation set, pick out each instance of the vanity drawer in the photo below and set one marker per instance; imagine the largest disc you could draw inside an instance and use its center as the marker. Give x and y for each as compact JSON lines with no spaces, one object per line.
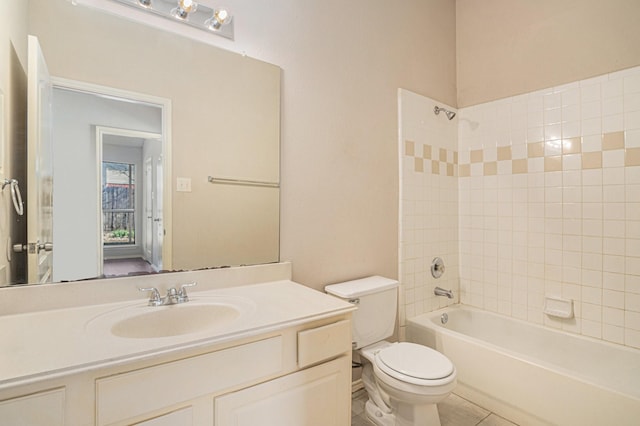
{"x":151,"y":389}
{"x":322,"y":343}
{"x":40,"y":409}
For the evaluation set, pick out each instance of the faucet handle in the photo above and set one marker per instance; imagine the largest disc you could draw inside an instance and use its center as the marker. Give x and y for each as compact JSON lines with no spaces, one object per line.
{"x":182,"y":294}
{"x":155,"y":298}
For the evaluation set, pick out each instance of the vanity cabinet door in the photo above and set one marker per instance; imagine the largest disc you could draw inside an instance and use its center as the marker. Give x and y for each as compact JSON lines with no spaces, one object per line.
{"x":318,"y":396}
{"x":40,"y":409}
{"x":153,"y":390}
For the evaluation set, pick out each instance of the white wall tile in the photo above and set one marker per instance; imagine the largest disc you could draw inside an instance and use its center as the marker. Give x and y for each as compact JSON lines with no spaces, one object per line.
{"x":632,"y":139}
{"x":576,"y":232}
{"x":592,"y":126}
{"x":590,"y":93}
{"x":612,"y":88}
{"x":632,"y":84}
{"x":613,"y":123}
{"x":632,"y":120}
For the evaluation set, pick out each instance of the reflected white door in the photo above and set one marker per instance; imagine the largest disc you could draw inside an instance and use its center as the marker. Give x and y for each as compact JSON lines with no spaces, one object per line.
{"x":152,"y":204}
{"x":158,"y":223}
{"x":39,"y":168}
{"x":147,"y":207}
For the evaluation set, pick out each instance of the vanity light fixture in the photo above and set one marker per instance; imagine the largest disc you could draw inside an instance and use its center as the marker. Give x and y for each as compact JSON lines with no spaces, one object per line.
{"x":217,"y":21}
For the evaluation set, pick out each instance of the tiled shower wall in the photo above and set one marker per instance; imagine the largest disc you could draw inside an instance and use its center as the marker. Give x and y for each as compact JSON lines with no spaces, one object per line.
{"x":429,"y":205}
{"x":549,"y":204}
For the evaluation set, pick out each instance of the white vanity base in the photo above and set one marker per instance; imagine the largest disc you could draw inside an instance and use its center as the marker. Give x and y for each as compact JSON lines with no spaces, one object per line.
{"x":288,"y":362}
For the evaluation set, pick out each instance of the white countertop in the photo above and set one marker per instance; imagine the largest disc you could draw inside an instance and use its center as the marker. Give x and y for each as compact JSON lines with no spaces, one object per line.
{"x":50,"y":343}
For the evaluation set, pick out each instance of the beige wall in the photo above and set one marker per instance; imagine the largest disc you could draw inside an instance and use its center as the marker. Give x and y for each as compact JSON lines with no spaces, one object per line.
{"x":342,"y":65}
{"x":509,"y":47}
{"x":13,"y":66}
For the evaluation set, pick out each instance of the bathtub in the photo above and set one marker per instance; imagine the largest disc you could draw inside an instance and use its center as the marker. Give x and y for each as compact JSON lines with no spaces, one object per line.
{"x":531,"y":374}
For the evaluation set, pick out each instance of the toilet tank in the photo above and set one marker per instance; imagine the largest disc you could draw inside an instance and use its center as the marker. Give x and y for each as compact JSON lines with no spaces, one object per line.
{"x":377,"y":301}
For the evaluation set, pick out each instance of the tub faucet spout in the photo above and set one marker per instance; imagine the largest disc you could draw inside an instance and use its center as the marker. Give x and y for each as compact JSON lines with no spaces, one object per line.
{"x":442,"y":292}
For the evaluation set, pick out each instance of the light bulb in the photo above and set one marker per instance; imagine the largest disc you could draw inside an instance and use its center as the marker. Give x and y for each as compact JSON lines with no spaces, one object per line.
{"x":220,"y":17}
{"x":187,"y":6}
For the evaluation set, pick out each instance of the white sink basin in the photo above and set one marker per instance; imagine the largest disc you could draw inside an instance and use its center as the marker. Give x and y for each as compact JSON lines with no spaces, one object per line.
{"x":203,"y":315}
{"x":175,"y":320}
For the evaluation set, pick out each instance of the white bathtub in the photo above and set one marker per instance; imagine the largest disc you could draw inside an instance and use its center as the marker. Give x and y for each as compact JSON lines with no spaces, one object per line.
{"x":531,"y":374}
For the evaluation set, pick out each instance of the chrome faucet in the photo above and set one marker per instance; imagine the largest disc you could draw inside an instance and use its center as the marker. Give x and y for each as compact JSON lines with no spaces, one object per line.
{"x":173,"y":296}
{"x":438,"y":291}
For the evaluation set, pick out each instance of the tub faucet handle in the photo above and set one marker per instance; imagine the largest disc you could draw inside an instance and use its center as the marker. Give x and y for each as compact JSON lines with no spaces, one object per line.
{"x":437,"y":267}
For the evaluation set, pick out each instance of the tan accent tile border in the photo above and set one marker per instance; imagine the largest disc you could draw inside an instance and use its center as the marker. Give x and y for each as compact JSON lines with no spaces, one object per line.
{"x":614,"y":140}
{"x":409,"y":148}
{"x":491,"y":168}
{"x":535,"y":149}
{"x":476,"y":155}
{"x":632,"y":157}
{"x":520,"y":166}
{"x":504,"y":153}
{"x":592,"y":160}
{"x":444,"y":164}
{"x":551,"y":152}
{"x":553,"y":163}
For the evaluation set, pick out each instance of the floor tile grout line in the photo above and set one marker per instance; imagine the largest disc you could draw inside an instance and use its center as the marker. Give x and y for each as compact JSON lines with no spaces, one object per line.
{"x":484,"y":418}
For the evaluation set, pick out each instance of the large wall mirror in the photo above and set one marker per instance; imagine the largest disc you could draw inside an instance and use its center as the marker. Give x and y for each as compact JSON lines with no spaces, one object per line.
{"x":218,"y":116}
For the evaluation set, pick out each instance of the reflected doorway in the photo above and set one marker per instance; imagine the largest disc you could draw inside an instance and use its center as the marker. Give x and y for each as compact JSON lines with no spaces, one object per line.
{"x":111,"y":166}
{"x":131,"y":201}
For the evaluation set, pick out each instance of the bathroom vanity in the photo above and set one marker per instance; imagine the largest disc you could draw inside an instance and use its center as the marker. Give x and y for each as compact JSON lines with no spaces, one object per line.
{"x":239,"y":352}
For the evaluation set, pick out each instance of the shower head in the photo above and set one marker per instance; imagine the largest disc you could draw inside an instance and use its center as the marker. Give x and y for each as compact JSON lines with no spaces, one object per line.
{"x":449,"y":114}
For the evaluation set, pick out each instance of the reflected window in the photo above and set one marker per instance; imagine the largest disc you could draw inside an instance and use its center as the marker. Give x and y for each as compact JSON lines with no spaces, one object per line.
{"x":118,"y":204}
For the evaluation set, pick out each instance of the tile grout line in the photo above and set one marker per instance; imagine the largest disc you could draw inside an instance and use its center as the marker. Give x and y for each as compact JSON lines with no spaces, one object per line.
{"x":484,"y":418}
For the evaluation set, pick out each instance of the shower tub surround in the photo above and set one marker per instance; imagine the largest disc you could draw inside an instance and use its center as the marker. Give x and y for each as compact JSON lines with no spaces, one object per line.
{"x":549,"y":204}
{"x":531,"y":374}
{"x":428,"y":204}
{"x":544,"y":190}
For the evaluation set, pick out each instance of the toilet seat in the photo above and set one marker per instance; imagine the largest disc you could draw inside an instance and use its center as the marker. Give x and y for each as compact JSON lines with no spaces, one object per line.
{"x":415,"y":364}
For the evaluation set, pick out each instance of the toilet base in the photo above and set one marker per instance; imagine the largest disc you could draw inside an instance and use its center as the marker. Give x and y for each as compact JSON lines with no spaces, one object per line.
{"x":377,"y":417}
{"x":424,"y":415}
{"x":417,"y":415}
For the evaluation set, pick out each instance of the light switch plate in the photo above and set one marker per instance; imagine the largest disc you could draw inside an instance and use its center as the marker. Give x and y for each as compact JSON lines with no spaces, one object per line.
{"x":183,"y":184}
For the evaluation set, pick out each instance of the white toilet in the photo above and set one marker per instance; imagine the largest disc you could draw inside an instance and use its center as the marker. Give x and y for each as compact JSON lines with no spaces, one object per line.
{"x":404,"y":380}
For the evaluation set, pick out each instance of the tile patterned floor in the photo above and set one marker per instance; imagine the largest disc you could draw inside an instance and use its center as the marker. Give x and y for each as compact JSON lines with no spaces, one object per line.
{"x":454,"y":411}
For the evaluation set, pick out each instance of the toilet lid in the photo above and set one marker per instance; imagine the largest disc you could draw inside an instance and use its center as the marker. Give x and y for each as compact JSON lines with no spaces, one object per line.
{"x":416,"y":361}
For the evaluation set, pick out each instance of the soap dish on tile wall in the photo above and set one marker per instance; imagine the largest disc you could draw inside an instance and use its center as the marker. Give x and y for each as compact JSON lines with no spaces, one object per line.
{"x":558,"y":307}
